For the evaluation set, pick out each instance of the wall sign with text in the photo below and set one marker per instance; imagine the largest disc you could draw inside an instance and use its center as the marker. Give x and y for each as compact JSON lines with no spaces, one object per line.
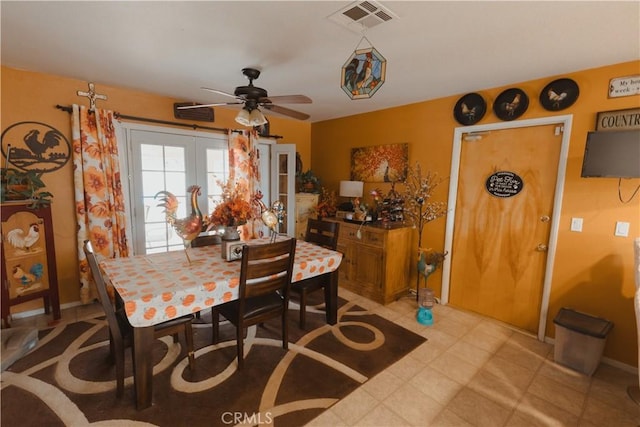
{"x":504,"y":184}
{"x":624,"y":86}
{"x":618,"y":120}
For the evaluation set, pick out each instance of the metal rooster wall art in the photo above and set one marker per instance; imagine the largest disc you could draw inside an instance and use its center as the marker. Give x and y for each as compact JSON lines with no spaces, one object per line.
{"x":187,"y":228}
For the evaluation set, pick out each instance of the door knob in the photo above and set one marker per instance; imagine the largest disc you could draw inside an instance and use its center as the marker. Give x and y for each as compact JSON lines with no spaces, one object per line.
{"x":545,"y":218}
{"x":541,"y":247}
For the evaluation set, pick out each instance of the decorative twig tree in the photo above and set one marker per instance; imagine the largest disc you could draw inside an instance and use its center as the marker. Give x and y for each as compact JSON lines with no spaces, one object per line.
{"x":418,"y":207}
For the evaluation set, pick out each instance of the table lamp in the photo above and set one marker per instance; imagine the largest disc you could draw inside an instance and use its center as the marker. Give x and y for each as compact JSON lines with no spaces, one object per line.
{"x":351,"y":189}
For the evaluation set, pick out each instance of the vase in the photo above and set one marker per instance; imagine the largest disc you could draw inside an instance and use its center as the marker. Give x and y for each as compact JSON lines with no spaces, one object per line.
{"x":230,"y":233}
{"x":229,"y":237}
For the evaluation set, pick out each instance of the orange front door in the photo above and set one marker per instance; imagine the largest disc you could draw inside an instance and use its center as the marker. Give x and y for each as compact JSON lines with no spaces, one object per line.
{"x":504,"y":205}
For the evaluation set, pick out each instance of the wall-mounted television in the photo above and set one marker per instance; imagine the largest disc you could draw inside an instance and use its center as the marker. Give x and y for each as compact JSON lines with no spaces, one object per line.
{"x":612,"y":154}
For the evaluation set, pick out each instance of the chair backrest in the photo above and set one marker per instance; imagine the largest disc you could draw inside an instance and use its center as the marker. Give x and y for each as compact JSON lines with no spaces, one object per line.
{"x":206,"y":240}
{"x":322,"y":233}
{"x":103,"y":296}
{"x":267,"y":268}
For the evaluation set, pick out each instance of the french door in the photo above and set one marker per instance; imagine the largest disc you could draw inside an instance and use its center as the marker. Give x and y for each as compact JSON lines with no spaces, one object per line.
{"x":168,"y":159}
{"x":165,"y":161}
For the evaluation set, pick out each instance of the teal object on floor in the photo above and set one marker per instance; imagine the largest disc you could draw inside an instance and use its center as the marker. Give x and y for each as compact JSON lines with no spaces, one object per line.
{"x":425,"y":316}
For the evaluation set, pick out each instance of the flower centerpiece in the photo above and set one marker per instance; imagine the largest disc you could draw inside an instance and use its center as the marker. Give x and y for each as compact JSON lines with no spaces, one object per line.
{"x":232,"y":210}
{"x":327,"y":205}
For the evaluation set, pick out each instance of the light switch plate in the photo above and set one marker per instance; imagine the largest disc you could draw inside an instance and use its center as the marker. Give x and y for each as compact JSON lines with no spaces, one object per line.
{"x":622,"y":229}
{"x":576,"y":224}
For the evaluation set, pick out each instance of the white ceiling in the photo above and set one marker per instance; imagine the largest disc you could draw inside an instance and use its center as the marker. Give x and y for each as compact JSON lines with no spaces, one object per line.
{"x":433,"y":49}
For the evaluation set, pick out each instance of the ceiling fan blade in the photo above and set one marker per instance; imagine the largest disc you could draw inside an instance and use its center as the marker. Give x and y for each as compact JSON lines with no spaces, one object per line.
{"x":286,"y":111}
{"x":220,"y":92}
{"x":289,"y":99}
{"x":187,"y":107}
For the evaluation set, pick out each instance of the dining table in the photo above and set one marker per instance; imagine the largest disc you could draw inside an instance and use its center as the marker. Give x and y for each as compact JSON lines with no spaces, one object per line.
{"x":157,"y":287}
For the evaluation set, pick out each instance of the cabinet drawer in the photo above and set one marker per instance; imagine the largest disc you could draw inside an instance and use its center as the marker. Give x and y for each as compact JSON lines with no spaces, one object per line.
{"x":373,"y":237}
{"x":348,"y":232}
{"x":368,"y":236}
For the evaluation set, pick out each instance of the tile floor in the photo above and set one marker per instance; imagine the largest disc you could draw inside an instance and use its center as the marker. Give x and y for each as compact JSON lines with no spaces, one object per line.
{"x":475,"y":371}
{"x":472,"y":371}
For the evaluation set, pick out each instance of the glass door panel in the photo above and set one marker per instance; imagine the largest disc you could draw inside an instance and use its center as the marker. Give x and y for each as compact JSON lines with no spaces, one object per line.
{"x":171,"y":162}
{"x":283,"y":184}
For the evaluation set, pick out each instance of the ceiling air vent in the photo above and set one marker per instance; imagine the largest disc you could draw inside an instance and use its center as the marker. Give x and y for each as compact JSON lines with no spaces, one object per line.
{"x":204,"y":114}
{"x":362,"y":15}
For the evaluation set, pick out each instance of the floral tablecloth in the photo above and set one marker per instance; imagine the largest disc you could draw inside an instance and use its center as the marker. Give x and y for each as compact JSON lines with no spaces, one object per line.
{"x":159,"y":287}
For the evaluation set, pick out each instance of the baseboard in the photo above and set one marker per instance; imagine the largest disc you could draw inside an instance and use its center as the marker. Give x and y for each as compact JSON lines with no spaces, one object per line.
{"x":39,"y":311}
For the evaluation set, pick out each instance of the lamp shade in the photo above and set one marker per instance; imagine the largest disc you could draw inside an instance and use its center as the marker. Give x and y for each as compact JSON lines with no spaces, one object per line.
{"x":256,"y":118}
{"x":244,"y":118}
{"x":351,"y":188}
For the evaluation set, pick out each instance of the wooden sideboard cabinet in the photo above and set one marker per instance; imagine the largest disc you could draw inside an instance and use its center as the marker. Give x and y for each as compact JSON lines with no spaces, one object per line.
{"x":28,"y":258}
{"x":305,"y":202}
{"x":376,"y":260}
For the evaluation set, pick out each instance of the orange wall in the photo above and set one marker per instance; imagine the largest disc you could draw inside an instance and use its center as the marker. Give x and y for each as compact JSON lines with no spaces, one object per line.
{"x":29,"y":96}
{"x":593,"y":270}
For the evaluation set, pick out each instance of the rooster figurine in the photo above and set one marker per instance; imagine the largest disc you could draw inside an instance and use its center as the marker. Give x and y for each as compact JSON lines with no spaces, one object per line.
{"x":187,"y":228}
{"x":269,"y":216}
{"x":428,"y":262}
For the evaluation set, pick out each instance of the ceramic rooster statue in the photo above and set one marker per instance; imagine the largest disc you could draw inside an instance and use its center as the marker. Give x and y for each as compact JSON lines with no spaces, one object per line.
{"x":268,"y":216}
{"x":428,"y":262}
{"x":187,"y":228}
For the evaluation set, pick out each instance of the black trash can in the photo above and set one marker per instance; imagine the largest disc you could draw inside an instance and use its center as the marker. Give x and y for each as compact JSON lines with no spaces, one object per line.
{"x":580,"y":340}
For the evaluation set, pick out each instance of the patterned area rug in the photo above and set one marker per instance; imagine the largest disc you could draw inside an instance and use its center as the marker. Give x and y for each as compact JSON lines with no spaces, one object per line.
{"x":68,"y":380}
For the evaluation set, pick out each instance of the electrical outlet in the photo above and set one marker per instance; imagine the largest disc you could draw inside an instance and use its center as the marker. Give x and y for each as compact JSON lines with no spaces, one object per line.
{"x":576,"y":224}
{"x":622,"y":229}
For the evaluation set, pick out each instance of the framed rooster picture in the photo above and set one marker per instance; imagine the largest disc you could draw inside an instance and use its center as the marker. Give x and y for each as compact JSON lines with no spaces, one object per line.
{"x":25,"y":254}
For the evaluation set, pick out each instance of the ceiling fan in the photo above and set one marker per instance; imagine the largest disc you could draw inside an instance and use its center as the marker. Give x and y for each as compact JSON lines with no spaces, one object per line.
{"x":253,"y":97}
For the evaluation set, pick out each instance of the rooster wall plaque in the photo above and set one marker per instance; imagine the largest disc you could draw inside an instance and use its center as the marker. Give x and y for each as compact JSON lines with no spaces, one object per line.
{"x":470,"y":109}
{"x":511,"y":104}
{"x":559,"y":94}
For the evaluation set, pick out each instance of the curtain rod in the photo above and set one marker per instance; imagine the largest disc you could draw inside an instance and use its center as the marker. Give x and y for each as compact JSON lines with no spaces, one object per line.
{"x":194,"y":126}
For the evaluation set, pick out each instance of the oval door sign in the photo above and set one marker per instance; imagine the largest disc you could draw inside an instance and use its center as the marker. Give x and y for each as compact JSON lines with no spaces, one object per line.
{"x":504,"y":184}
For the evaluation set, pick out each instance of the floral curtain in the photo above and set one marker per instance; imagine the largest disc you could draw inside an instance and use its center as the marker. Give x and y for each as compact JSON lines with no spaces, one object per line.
{"x":244,"y":170}
{"x":100,"y":203}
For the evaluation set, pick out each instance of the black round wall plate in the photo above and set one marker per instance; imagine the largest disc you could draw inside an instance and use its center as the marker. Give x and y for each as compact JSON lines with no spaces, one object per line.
{"x":511,"y":104}
{"x":470,"y":109}
{"x":559,"y":94}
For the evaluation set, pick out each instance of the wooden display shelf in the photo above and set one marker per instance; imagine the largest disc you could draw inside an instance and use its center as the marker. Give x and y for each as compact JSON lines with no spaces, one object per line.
{"x":28,"y":258}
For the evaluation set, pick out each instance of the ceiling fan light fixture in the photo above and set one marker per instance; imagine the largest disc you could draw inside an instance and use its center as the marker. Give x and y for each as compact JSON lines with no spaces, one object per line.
{"x":256,"y":118}
{"x":244,"y":118}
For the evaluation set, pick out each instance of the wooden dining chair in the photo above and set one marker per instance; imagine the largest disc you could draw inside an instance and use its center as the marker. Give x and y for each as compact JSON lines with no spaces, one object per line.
{"x":206,"y":240}
{"x":321,"y":233}
{"x":263,"y":291}
{"x":121,"y":332}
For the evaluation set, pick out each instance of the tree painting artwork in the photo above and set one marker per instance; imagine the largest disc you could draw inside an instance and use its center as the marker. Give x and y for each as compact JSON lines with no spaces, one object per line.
{"x":380,"y":163}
